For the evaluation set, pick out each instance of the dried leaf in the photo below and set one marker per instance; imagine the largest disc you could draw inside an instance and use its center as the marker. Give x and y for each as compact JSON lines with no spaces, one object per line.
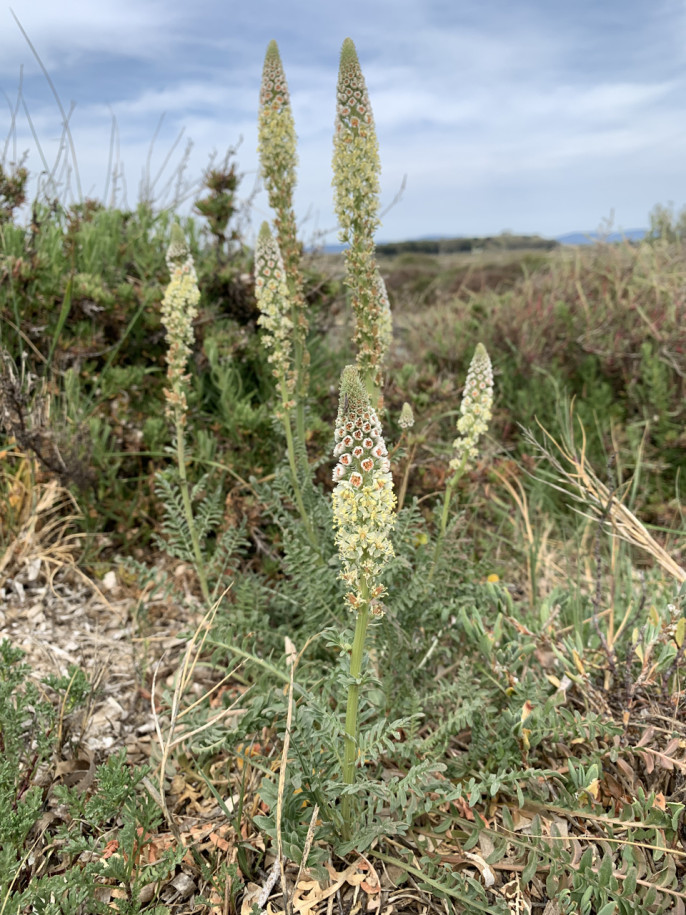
{"x":624,"y":766}
{"x":648,"y":760}
{"x":578,"y":662}
{"x":219,"y":842}
{"x":484,"y":869}
{"x":517,"y":902}
{"x":111,"y":848}
{"x":291,"y":652}
{"x":646,"y":737}
{"x":252,"y":894}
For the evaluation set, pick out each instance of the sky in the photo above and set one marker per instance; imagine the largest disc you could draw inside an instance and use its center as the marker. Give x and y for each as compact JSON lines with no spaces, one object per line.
{"x":530,"y":116}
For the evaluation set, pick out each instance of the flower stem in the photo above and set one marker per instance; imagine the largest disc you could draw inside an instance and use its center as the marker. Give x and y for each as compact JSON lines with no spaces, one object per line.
{"x":350,"y":751}
{"x":445,"y":513}
{"x":292,"y":460}
{"x":300,"y":369}
{"x":187,"y":506}
{"x":406,"y":476}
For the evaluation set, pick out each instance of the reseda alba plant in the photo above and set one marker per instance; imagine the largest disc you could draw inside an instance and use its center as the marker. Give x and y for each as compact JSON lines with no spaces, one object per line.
{"x":363,"y":501}
{"x":475,"y":415}
{"x":363,"y":515}
{"x":179,"y":310}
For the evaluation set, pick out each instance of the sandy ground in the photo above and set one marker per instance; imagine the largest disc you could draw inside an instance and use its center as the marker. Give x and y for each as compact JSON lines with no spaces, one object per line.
{"x":96,"y":628}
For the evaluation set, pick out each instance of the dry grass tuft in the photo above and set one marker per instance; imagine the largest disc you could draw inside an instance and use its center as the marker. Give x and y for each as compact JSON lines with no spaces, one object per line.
{"x":577,"y":479}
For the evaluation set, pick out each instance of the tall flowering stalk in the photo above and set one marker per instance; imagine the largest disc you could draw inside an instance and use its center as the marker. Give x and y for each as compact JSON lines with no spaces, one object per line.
{"x":476,"y":409}
{"x":278,"y":159}
{"x":363,"y":515}
{"x":356,"y":168}
{"x":179,"y":310}
{"x":406,"y":422}
{"x":475,"y":415}
{"x":384,"y":321}
{"x":273,"y":300}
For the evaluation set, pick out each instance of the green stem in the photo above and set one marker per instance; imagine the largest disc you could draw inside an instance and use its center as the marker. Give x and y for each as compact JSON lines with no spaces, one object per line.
{"x":300,"y":430}
{"x":450,"y":486}
{"x":290,"y":251}
{"x":406,"y":477}
{"x":188,"y":508}
{"x":442,"y":887}
{"x":298,"y":358}
{"x":445,"y":513}
{"x":300,"y":424}
{"x":350,"y":740}
{"x":297,"y":366}
{"x":294,"y":470}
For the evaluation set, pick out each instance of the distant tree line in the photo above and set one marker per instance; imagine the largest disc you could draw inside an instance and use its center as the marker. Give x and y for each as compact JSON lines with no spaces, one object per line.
{"x":506,"y":241}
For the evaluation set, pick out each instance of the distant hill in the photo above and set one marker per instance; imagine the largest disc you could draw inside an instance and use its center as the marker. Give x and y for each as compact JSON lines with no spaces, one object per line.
{"x":438,"y":244}
{"x":590,"y":238}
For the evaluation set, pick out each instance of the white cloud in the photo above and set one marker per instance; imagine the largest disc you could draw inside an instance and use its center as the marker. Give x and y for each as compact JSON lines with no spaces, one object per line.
{"x":62,"y":33}
{"x":486,"y":107}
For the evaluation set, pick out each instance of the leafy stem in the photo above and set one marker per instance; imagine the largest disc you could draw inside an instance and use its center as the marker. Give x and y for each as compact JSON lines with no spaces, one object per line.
{"x":350,"y":740}
{"x":445,"y":512}
{"x":187,"y":505}
{"x":290,"y":445}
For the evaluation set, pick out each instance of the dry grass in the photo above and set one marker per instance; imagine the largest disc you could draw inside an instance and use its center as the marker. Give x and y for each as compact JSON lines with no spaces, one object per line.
{"x":577,"y":479}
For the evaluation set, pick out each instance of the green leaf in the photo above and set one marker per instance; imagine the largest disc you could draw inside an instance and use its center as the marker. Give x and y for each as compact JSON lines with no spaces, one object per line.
{"x":61,"y":321}
{"x":586,"y":898}
{"x":552,"y":884}
{"x":530,"y":869}
{"x":586,"y":860}
{"x":471,"y":841}
{"x":630,"y":882}
{"x":605,"y":871}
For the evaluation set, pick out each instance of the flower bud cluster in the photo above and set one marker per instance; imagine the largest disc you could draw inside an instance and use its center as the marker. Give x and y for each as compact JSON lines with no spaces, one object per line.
{"x":278,"y":160}
{"x":363,"y":498}
{"x":179,"y":310}
{"x":476,"y":408}
{"x":356,"y":170}
{"x":276,"y":129}
{"x":274,"y":303}
{"x":356,"y":151}
{"x":406,"y":420}
{"x":383,"y":322}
